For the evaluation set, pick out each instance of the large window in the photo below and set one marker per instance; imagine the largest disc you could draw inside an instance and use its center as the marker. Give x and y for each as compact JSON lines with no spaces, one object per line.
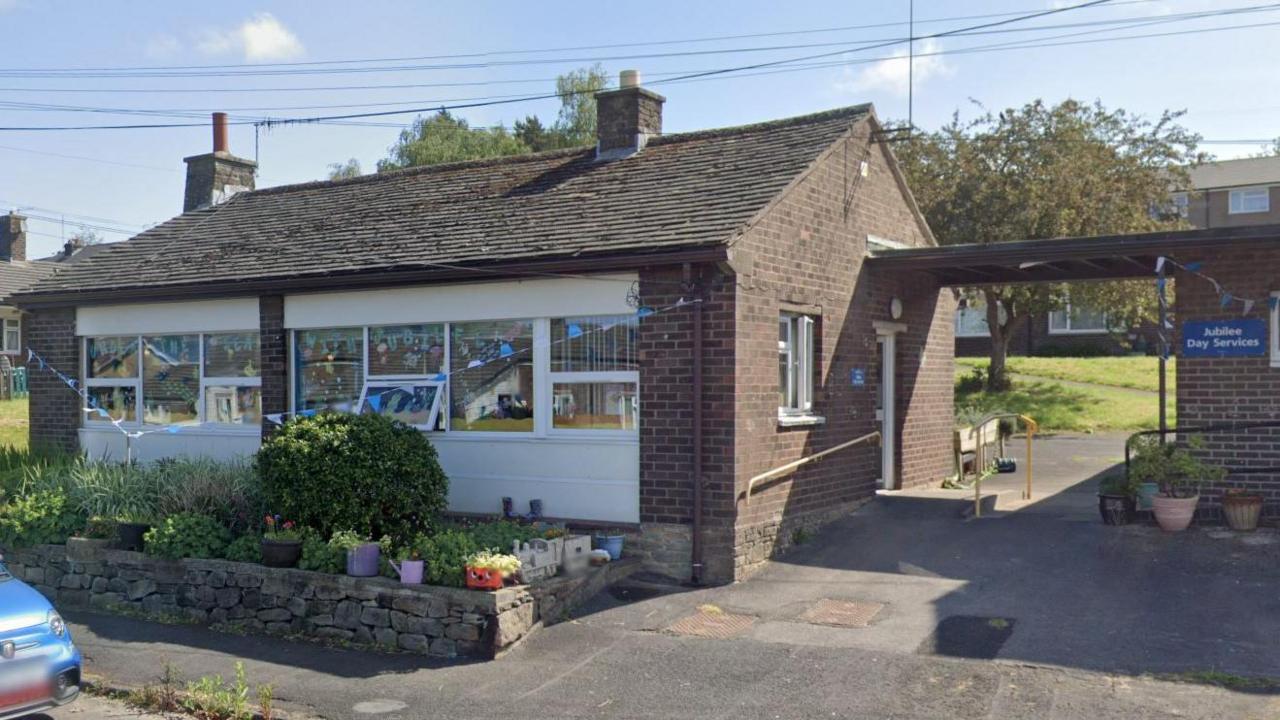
{"x":537,"y":376}
{"x":184,"y":379}
{"x":1077,"y":319}
{"x":1249,"y":200}
{"x":594,"y":373}
{"x":795,"y":364}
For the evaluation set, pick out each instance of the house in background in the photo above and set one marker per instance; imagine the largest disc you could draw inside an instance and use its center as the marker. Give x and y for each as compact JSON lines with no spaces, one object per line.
{"x":630,"y":332}
{"x":18,"y":273}
{"x":1228,"y":193}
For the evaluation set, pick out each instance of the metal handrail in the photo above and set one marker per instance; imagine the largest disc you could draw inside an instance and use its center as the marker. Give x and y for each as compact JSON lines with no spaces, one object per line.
{"x":783,"y":469}
{"x":1032,"y":428}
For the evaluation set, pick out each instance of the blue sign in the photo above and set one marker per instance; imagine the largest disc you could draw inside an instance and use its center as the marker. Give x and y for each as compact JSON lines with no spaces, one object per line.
{"x":858,"y":377}
{"x":1224,"y":338}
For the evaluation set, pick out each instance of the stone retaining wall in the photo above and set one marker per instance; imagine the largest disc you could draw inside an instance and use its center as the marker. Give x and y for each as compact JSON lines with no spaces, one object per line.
{"x":425,"y":619}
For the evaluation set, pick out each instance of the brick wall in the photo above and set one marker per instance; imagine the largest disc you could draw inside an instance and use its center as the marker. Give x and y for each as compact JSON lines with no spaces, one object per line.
{"x":1231,"y":390}
{"x":55,"y":409}
{"x":274,"y":357}
{"x":806,"y":255}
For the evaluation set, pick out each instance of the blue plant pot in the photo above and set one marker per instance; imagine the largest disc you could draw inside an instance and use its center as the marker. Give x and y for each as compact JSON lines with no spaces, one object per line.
{"x":611,"y":543}
{"x":1146,"y":495}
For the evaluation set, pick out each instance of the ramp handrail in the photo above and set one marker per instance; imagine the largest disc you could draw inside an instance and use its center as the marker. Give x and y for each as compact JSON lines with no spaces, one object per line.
{"x":1032,"y":428}
{"x":783,"y":469}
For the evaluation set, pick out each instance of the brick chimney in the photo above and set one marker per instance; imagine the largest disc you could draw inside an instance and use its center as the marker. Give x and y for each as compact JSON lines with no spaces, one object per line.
{"x":214,"y":177}
{"x":13,"y":237}
{"x":627,"y":117}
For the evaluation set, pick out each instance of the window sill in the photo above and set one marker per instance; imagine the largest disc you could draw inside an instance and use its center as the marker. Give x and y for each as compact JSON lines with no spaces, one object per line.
{"x":800,"y":420}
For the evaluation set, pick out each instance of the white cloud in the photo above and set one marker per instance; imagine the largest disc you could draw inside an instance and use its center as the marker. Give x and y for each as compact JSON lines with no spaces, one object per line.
{"x":261,"y":38}
{"x":892,"y":74}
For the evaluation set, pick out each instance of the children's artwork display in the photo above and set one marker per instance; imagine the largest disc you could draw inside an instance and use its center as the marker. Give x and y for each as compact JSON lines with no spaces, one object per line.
{"x":406,"y":350}
{"x":330,"y":368}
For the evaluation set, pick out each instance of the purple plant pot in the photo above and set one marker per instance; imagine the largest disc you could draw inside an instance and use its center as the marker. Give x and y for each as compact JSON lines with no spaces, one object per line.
{"x":362,"y":560}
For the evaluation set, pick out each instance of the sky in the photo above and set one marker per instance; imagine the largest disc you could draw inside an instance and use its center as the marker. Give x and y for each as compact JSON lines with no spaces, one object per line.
{"x":54,"y":53}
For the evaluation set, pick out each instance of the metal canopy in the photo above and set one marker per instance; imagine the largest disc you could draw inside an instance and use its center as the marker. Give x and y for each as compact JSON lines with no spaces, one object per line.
{"x":1105,"y":257}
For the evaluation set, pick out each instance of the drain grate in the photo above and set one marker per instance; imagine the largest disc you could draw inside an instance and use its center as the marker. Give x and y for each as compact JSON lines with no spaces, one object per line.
{"x":842,"y":613}
{"x":968,"y":636}
{"x":712,"y":623}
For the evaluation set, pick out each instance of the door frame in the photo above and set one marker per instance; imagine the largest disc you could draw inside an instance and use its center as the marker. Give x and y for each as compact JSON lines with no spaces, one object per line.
{"x":887,"y":346}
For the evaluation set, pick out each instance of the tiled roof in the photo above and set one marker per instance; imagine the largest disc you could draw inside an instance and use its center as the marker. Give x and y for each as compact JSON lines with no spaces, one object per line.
{"x":20,"y":274}
{"x":683,"y":190}
{"x":1235,"y":173}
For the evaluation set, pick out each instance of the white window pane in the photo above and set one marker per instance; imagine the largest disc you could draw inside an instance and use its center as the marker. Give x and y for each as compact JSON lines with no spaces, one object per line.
{"x":329,"y":366}
{"x":233,"y":404}
{"x":171,"y":379}
{"x":594,"y":344}
{"x":12,"y":339}
{"x":1084,"y":318}
{"x":119,"y":402}
{"x":399,"y":350}
{"x":229,"y":355}
{"x":491,"y":380}
{"x":1058,"y":320}
{"x":112,"y":357}
{"x":595,"y":406}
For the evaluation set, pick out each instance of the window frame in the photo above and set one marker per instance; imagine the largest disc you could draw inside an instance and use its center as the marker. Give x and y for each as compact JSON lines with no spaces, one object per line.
{"x":1264,"y":191}
{"x":1069,"y":330}
{"x":801,"y":332}
{"x":1274,"y":324}
{"x":4,"y":341}
{"x":961,"y":333}
{"x":583,"y":377}
{"x":92,"y":420}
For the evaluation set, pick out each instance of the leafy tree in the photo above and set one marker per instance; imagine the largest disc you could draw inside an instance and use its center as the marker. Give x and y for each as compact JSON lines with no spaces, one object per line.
{"x":537,"y":138}
{"x":443,"y":138}
{"x":343,"y":171}
{"x":1046,"y":171}
{"x":576,"y":123}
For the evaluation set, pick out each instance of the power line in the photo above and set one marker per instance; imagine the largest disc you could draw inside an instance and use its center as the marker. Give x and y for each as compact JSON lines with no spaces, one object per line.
{"x":86,"y":159}
{"x":491,"y":53}
{"x":62,"y":215}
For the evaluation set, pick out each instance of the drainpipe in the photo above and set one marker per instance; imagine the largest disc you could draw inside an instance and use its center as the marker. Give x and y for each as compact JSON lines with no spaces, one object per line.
{"x":696,"y":393}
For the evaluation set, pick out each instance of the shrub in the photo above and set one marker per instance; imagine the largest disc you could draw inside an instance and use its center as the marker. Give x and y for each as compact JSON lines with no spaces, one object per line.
{"x":365,"y":473}
{"x":246,"y":549}
{"x":446,"y":556}
{"x":127,"y":493}
{"x":37,"y":518}
{"x":187,"y":536}
{"x":228,"y":492}
{"x":501,"y":534}
{"x":974,"y":381}
{"x":321,"y":556}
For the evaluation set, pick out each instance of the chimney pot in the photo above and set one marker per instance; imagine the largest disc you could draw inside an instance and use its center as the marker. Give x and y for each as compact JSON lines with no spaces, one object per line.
{"x":629,"y":79}
{"x":220,"y":132}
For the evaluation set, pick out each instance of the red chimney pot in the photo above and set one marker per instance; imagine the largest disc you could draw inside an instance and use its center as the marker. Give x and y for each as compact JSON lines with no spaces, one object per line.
{"x":220,"y":132}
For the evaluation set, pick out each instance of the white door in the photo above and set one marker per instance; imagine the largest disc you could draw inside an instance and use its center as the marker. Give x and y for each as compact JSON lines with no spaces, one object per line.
{"x":886,"y":346}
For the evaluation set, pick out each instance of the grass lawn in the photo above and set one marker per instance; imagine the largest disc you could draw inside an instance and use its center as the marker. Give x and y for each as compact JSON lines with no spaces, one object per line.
{"x":1138,"y":373}
{"x":13,"y":423}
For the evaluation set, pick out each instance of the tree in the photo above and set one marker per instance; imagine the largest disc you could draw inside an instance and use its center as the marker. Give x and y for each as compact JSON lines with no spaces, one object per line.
{"x":343,"y":171}
{"x":443,"y":138}
{"x":1043,"y":171}
{"x":576,"y":123}
{"x":536,"y":137}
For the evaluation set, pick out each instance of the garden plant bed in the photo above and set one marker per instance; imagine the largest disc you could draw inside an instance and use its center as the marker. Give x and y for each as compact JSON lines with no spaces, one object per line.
{"x":426,"y":619}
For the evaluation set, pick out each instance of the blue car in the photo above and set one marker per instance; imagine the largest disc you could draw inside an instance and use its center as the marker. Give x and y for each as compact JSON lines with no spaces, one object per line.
{"x":39,"y":665}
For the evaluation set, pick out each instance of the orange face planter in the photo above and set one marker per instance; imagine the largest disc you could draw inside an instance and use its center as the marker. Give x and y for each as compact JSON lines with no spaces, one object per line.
{"x":484,"y":578}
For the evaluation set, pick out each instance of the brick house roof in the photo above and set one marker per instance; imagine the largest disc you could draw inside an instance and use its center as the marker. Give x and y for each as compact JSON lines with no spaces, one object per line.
{"x":682,"y":191}
{"x":17,"y":275}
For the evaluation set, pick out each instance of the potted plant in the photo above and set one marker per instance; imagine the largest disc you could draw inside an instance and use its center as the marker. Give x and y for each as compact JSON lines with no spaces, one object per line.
{"x":487,"y":569}
{"x":410,"y":568}
{"x":611,"y":542}
{"x":362,"y":553}
{"x":281,"y":543}
{"x":1116,"y":501}
{"x":130,"y":530}
{"x":1242,"y":509}
{"x":1180,"y":475}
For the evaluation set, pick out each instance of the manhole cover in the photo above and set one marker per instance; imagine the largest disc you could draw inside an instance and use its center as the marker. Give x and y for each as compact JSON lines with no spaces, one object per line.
{"x":713,"y":623}
{"x":842,"y":613}
{"x":968,"y":636}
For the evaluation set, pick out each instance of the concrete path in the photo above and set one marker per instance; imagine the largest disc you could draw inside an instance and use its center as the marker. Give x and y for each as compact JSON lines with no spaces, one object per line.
{"x":1075,"y":614}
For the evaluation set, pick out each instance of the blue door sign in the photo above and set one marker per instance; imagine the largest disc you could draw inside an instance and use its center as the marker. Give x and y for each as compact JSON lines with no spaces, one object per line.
{"x":858,"y":377}
{"x":1224,"y":338}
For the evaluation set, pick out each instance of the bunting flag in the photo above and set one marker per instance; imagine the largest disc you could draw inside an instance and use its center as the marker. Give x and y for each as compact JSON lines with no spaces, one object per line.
{"x":1225,"y":297}
{"x":1248,"y":307}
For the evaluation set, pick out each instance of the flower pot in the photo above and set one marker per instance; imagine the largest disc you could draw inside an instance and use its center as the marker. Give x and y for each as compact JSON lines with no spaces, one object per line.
{"x":1242,"y":511}
{"x":1147,"y":495}
{"x":362,"y":560}
{"x":611,"y":543}
{"x":410,"y":571}
{"x":129,"y":535}
{"x":483,"y":578}
{"x":1175,"y":514}
{"x":281,"y":553}
{"x":1115,"y":509}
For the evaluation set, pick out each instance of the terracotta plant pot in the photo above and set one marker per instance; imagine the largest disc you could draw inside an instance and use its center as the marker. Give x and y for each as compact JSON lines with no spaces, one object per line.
{"x":1242,"y":510}
{"x":1175,"y":514}
{"x":483,"y":578}
{"x":281,"y":553}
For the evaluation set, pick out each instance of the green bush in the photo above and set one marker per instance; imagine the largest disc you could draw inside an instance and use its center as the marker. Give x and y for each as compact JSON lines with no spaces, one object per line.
{"x":365,"y":473}
{"x":321,"y":556}
{"x":228,"y":492}
{"x":446,"y":555}
{"x":187,"y":536}
{"x":38,"y":518}
{"x":500,"y":534}
{"x":246,"y":549}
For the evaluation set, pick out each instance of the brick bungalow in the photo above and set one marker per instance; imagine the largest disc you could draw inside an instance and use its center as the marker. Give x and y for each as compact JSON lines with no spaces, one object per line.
{"x":629,"y":332}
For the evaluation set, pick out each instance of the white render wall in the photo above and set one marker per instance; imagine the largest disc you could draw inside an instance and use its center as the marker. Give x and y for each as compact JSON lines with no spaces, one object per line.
{"x":579,"y":476}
